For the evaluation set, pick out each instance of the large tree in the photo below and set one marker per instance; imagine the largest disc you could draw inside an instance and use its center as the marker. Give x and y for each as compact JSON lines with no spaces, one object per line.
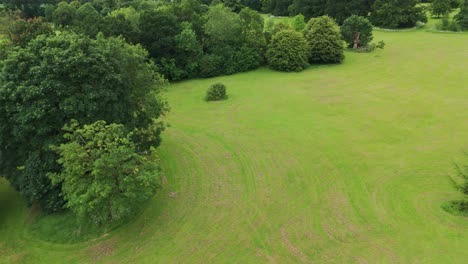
{"x":67,"y":76}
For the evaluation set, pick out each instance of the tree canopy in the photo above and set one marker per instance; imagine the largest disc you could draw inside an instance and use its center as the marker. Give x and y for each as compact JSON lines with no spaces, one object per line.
{"x":103,"y":178}
{"x":54,"y":79}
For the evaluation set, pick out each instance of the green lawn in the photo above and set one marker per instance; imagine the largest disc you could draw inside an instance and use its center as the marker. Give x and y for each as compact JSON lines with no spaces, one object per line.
{"x":337,"y":164}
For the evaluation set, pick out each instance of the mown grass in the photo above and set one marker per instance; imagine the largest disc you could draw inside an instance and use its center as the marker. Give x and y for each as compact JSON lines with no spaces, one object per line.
{"x":337,"y":164}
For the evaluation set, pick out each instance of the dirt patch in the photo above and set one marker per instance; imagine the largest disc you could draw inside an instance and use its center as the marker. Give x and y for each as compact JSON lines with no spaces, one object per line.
{"x":269,"y":258}
{"x":164,"y":180}
{"x":338,"y":218}
{"x":101,"y":250}
{"x":33,"y":212}
{"x":173,"y":195}
{"x":291,"y":247}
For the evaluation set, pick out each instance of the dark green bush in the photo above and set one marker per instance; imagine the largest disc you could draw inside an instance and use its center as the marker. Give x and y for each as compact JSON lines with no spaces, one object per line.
{"x":216,"y":92}
{"x":287,"y":51}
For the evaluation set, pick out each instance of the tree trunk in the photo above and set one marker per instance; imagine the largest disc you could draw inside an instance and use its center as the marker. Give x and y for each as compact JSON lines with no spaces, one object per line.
{"x":356,"y":40}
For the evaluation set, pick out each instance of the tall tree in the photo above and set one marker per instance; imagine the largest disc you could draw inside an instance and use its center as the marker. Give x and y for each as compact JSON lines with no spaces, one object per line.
{"x":58,"y":78}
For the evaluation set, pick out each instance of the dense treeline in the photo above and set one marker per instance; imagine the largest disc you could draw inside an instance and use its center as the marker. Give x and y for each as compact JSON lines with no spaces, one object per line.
{"x":196,"y":38}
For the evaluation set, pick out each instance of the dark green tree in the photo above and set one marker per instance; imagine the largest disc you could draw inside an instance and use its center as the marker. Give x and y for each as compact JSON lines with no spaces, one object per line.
{"x":58,"y":78}
{"x":288,"y":51}
{"x":87,"y":20}
{"x":276,"y":7}
{"x":462,"y":16}
{"x":440,"y":7}
{"x":64,"y":14}
{"x":102,"y":177}
{"x":158,"y":29}
{"x":357,"y":31}
{"x":324,"y":39}
{"x":396,"y":13}
{"x":22,"y":31}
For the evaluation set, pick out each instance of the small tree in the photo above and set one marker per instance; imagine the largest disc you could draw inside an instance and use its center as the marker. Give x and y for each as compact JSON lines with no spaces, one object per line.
{"x":357,"y":31}
{"x":103,"y":178}
{"x":298,"y":23}
{"x":288,"y":51}
{"x":324,"y":38}
{"x":216,"y":92}
{"x":440,"y":7}
{"x":462,"y":185}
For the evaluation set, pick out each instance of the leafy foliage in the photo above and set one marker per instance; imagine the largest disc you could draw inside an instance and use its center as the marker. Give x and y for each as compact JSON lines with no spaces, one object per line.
{"x":22,"y":31}
{"x":461,"y":183}
{"x":357,"y":25}
{"x":298,"y":23}
{"x":337,"y":9}
{"x":462,"y":16}
{"x":396,"y":13}
{"x":216,"y":92}
{"x":324,"y":39}
{"x":440,"y":7}
{"x":102,"y":176}
{"x":288,"y":51}
{"x":58,"y":78}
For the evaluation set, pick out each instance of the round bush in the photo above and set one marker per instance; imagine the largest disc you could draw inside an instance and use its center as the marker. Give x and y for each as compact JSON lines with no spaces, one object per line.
{"x":216,"y":92}
{"x":324,"y":38}
{"x":288,"y":51}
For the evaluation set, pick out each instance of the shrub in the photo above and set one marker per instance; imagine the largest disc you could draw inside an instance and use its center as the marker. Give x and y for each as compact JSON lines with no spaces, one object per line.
{"x":357,"y":29}
{"x":324,"y":38}
{"x":216,"y":92}
{"x":380,"y":45}
{"x":448,"y":25}
{"x":288,"y":51}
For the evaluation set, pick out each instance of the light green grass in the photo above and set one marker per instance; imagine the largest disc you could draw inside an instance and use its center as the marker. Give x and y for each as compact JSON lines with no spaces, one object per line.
{"x":337,"y":164}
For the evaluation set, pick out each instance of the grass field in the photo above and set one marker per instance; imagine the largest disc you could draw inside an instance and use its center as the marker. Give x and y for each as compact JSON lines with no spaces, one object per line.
{"x":337,"y":164}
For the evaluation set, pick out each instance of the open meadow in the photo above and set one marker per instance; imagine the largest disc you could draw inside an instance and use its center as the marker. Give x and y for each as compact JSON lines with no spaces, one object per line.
{"x":340,"y":163}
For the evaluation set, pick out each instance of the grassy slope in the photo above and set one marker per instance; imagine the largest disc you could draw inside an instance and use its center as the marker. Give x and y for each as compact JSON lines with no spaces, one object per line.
{"x":337,"y":164}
